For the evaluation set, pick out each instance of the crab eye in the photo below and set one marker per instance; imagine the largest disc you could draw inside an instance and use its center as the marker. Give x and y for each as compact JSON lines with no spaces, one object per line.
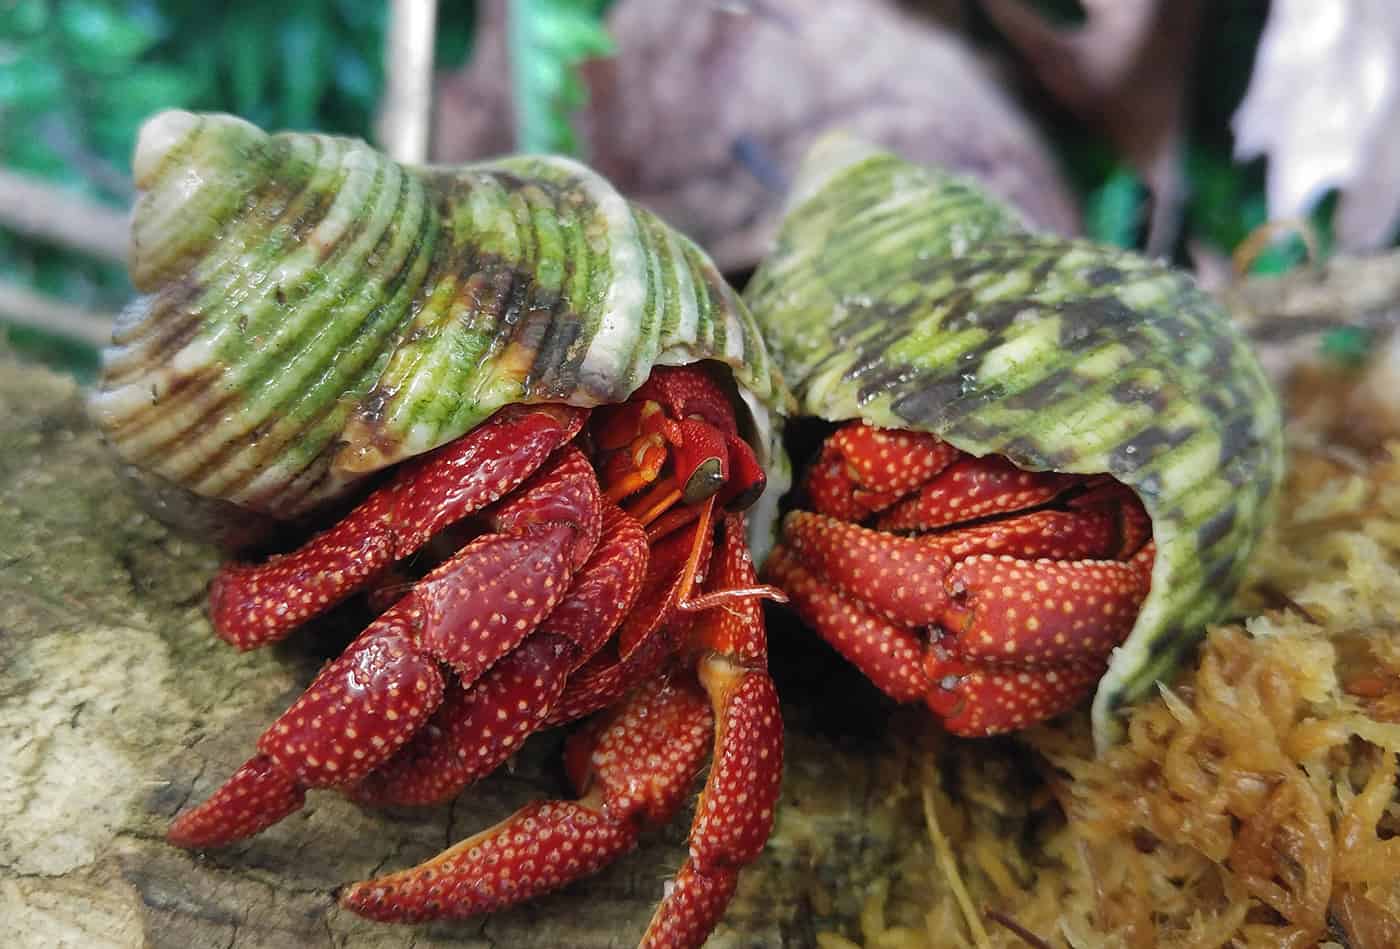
{"x":704,"y":481}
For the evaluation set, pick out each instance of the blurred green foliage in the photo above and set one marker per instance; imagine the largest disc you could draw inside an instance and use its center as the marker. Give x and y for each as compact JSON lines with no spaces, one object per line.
{"x":548,"y":38}
{"x":77,"y":77}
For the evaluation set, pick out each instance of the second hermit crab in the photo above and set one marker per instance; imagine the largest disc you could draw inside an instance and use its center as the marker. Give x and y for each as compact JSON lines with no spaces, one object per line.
{"x":1046,"y":461}
{"x":579,"y":410}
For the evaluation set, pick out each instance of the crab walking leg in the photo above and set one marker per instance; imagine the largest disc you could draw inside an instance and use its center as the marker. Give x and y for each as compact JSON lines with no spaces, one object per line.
{"x":252,"y":605}
{"x":478,"y":727}
{"x":864,"y":469}
{"x":735,"y":813}
{"x":890,"y":656}
{"x":646,"y":638}
{"x":977,"y":691}
{"x":636,"y":769}
{"x":363,"y":707}
{"x":905,"y":579}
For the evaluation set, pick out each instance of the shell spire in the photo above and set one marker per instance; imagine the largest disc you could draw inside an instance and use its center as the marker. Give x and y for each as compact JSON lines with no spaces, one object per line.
{"x":905,"y":296}
{"x":314,"y":311}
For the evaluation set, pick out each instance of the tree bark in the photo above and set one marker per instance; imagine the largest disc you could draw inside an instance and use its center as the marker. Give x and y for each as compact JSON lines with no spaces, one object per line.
{"x":118,"y":707}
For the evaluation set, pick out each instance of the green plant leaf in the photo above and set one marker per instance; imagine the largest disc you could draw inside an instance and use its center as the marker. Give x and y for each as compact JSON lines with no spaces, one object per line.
{"x":1113,"y":211}
{"x":102,"y":38}
{"x":306,"y":43}
{"x":23,"y":18}
{"x":548,"y":39}
{"x":1348,"y":345}
{"x":30,"y":83}
{"x":249,"y":69}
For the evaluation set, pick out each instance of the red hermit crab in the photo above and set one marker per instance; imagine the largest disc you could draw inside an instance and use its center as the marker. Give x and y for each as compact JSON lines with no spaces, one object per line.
{"x":579,"y":409}
{"x":1047,"y":461}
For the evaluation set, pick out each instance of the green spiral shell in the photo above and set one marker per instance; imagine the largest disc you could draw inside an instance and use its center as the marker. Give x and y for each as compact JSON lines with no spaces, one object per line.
{"x":314,"y":311}
{"x":907,"y":297}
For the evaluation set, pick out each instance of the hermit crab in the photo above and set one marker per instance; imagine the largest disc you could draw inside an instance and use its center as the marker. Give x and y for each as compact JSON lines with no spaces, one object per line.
{"x":534,"y":394}
{"x":1050,"y":461}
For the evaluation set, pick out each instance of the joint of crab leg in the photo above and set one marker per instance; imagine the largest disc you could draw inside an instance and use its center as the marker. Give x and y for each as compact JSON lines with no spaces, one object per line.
{"x":831,"y":491}
{"x":735,"y":814}
{"x":1041,"y":612}
{"x":477,"y":469}
{"x":889,"y":656}
{"x":563,"y":493}
{"x":501,"y":588}
{"x":252,"y":605}
{"x":889,"y":461}
{"x":468,"y":612}
{"x":474,"y":731}
{"x":899,"y":577}
{"x":646,"y":638}
{"x":980,"y":701}
{"x":973,"y":696}
{"x":548,"y":844}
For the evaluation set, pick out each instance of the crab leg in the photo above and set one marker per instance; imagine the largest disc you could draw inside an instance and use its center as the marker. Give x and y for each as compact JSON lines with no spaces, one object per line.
{"x":255,"y":604}
{"x":625,"y":785}
{"x":645,"y":638}
{"x":972,"y":488}
{"x":478,"y":727}
{"x":906,"y":578}
{"x":735,"y":813}
{"x":990,"y":642}
{"x":863,"y":469}
{"x":363,"y":707}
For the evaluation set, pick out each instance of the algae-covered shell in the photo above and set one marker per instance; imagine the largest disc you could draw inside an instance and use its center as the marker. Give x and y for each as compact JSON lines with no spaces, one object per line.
{"x":314,"y":311}
{"x":907,"y":297}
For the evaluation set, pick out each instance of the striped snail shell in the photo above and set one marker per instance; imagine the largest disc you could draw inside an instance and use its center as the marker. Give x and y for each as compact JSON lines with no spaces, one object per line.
{"x":907,"y":297}
{"x":313,"y":311}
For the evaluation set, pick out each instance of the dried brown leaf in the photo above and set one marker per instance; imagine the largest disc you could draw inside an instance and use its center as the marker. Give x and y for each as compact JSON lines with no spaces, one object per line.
{"x":1324,"y":105}
{"x":707,"y":107}
{"x":1123,"y":70}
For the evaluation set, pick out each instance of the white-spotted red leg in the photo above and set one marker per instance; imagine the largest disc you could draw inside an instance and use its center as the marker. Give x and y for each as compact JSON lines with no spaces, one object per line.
{"x":480,"y":725}
{"x":735,"y":813}
{"x":468,"y":613}
{"x":991,"y":642}
{"x":252,"y":605}
{"x":633,"y":770}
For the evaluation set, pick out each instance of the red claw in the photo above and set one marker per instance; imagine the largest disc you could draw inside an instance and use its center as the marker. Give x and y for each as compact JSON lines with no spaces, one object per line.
{"x":1001,"y":599}
{"x":573,"y":596}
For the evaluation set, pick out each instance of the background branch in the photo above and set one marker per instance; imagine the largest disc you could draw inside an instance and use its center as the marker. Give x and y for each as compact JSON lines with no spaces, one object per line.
{"x":1362,"y":292}
{"x":36,"y":209}
{"x":23,"y":307}
{"x":404,"y":114}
